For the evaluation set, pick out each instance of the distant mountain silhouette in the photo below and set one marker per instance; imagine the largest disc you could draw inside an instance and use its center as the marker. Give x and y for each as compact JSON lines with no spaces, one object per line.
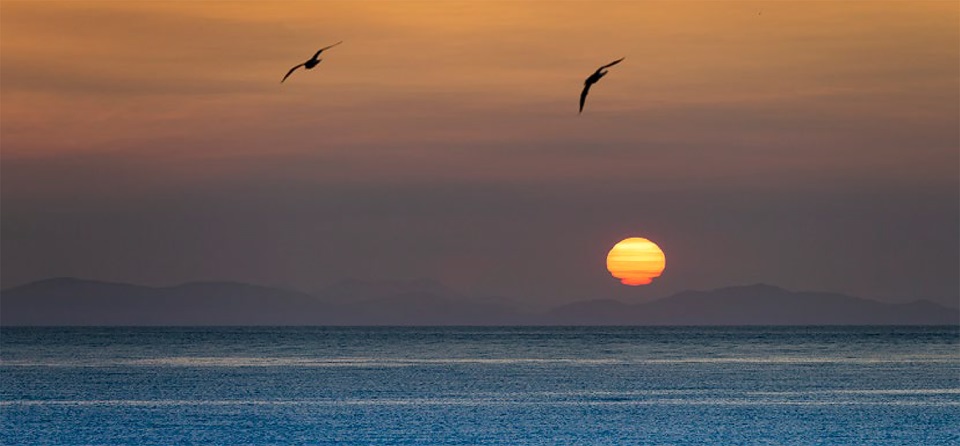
{"x":66,"y":301}
{"x":754,"y":305}
{"x":353,"y":290}
{"x":417,"y":308}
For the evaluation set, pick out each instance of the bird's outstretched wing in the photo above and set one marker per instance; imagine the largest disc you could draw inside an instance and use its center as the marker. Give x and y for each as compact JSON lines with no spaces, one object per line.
{"x":583,"y":96}
{"x":331,"y":46}
{"x":291,"y":72}
{"x":611,"y":63}
{"x":325,"y":48}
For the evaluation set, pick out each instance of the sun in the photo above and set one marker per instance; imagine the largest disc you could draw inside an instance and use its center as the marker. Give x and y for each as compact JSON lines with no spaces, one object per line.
{"x":636,"y":261}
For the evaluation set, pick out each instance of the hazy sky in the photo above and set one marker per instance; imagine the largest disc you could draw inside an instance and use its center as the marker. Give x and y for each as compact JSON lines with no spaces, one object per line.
{"x":810,"y":145}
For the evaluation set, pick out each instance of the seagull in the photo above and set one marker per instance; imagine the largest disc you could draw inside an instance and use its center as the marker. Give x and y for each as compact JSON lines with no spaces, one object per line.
{"x":310,"y":63}
{"x":593,"y":79}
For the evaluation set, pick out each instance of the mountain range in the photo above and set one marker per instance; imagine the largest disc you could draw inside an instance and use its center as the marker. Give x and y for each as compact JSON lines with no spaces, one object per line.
{"x":69,"y":301}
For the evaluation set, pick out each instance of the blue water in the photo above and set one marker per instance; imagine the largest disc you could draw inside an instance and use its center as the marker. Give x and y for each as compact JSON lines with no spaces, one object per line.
{"x":749,"y":385}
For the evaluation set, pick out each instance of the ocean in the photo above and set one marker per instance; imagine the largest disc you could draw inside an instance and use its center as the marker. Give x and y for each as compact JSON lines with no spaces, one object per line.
{"x":481,"y":385}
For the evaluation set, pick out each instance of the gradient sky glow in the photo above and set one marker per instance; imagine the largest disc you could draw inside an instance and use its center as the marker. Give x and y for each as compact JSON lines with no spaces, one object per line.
{"x":815,"y":146}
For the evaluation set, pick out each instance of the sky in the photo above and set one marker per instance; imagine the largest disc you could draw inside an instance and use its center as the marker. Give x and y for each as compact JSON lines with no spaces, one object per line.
{"x":808,"y":145}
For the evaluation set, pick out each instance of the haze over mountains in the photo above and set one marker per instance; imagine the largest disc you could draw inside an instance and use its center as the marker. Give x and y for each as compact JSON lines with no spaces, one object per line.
{"x":67,"y":301}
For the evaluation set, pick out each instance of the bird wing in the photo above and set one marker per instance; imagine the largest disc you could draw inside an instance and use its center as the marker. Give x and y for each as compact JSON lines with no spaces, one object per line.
{"x":583,"y":96}
{"x":611,"y":63}
{"x":325,"y":48}
{"x":331,"y":46}
{"x":290,"y":72}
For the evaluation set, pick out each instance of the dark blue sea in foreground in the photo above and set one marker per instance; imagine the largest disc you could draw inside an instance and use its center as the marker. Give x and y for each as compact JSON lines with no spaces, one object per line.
{"x":497,"y":385}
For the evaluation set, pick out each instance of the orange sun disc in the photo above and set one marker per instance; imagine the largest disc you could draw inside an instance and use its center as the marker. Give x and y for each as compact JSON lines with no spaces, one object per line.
{"x":636,"y":261}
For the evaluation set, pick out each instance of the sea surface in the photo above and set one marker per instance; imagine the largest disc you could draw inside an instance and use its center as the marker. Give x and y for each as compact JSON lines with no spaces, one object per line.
{"x":472,"y":385}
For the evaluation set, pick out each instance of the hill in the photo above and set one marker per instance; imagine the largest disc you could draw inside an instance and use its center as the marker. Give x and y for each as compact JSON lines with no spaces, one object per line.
{"x":67,"y":301}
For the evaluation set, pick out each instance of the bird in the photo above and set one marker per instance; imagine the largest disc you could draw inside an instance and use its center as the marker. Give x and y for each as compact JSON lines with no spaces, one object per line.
{"x":310,"y":63}
{"x":593,"y":79}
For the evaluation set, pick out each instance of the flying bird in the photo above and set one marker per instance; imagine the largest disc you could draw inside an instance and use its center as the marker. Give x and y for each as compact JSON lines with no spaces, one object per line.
{"x":593,"y":79}
{"x":310,"y":63}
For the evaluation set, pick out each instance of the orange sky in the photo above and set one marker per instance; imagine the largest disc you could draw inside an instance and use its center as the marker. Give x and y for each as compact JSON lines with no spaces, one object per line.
{"x":440,"y":114}
{"x":129,"y":76}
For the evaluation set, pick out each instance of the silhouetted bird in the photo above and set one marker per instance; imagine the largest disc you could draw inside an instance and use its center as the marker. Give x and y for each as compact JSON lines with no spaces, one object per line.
{"x":310,"y":63}
{"x":593,"y":79}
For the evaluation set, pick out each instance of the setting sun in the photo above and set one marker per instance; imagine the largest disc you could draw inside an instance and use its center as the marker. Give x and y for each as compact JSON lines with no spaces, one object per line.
{"x":636,"y":261}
